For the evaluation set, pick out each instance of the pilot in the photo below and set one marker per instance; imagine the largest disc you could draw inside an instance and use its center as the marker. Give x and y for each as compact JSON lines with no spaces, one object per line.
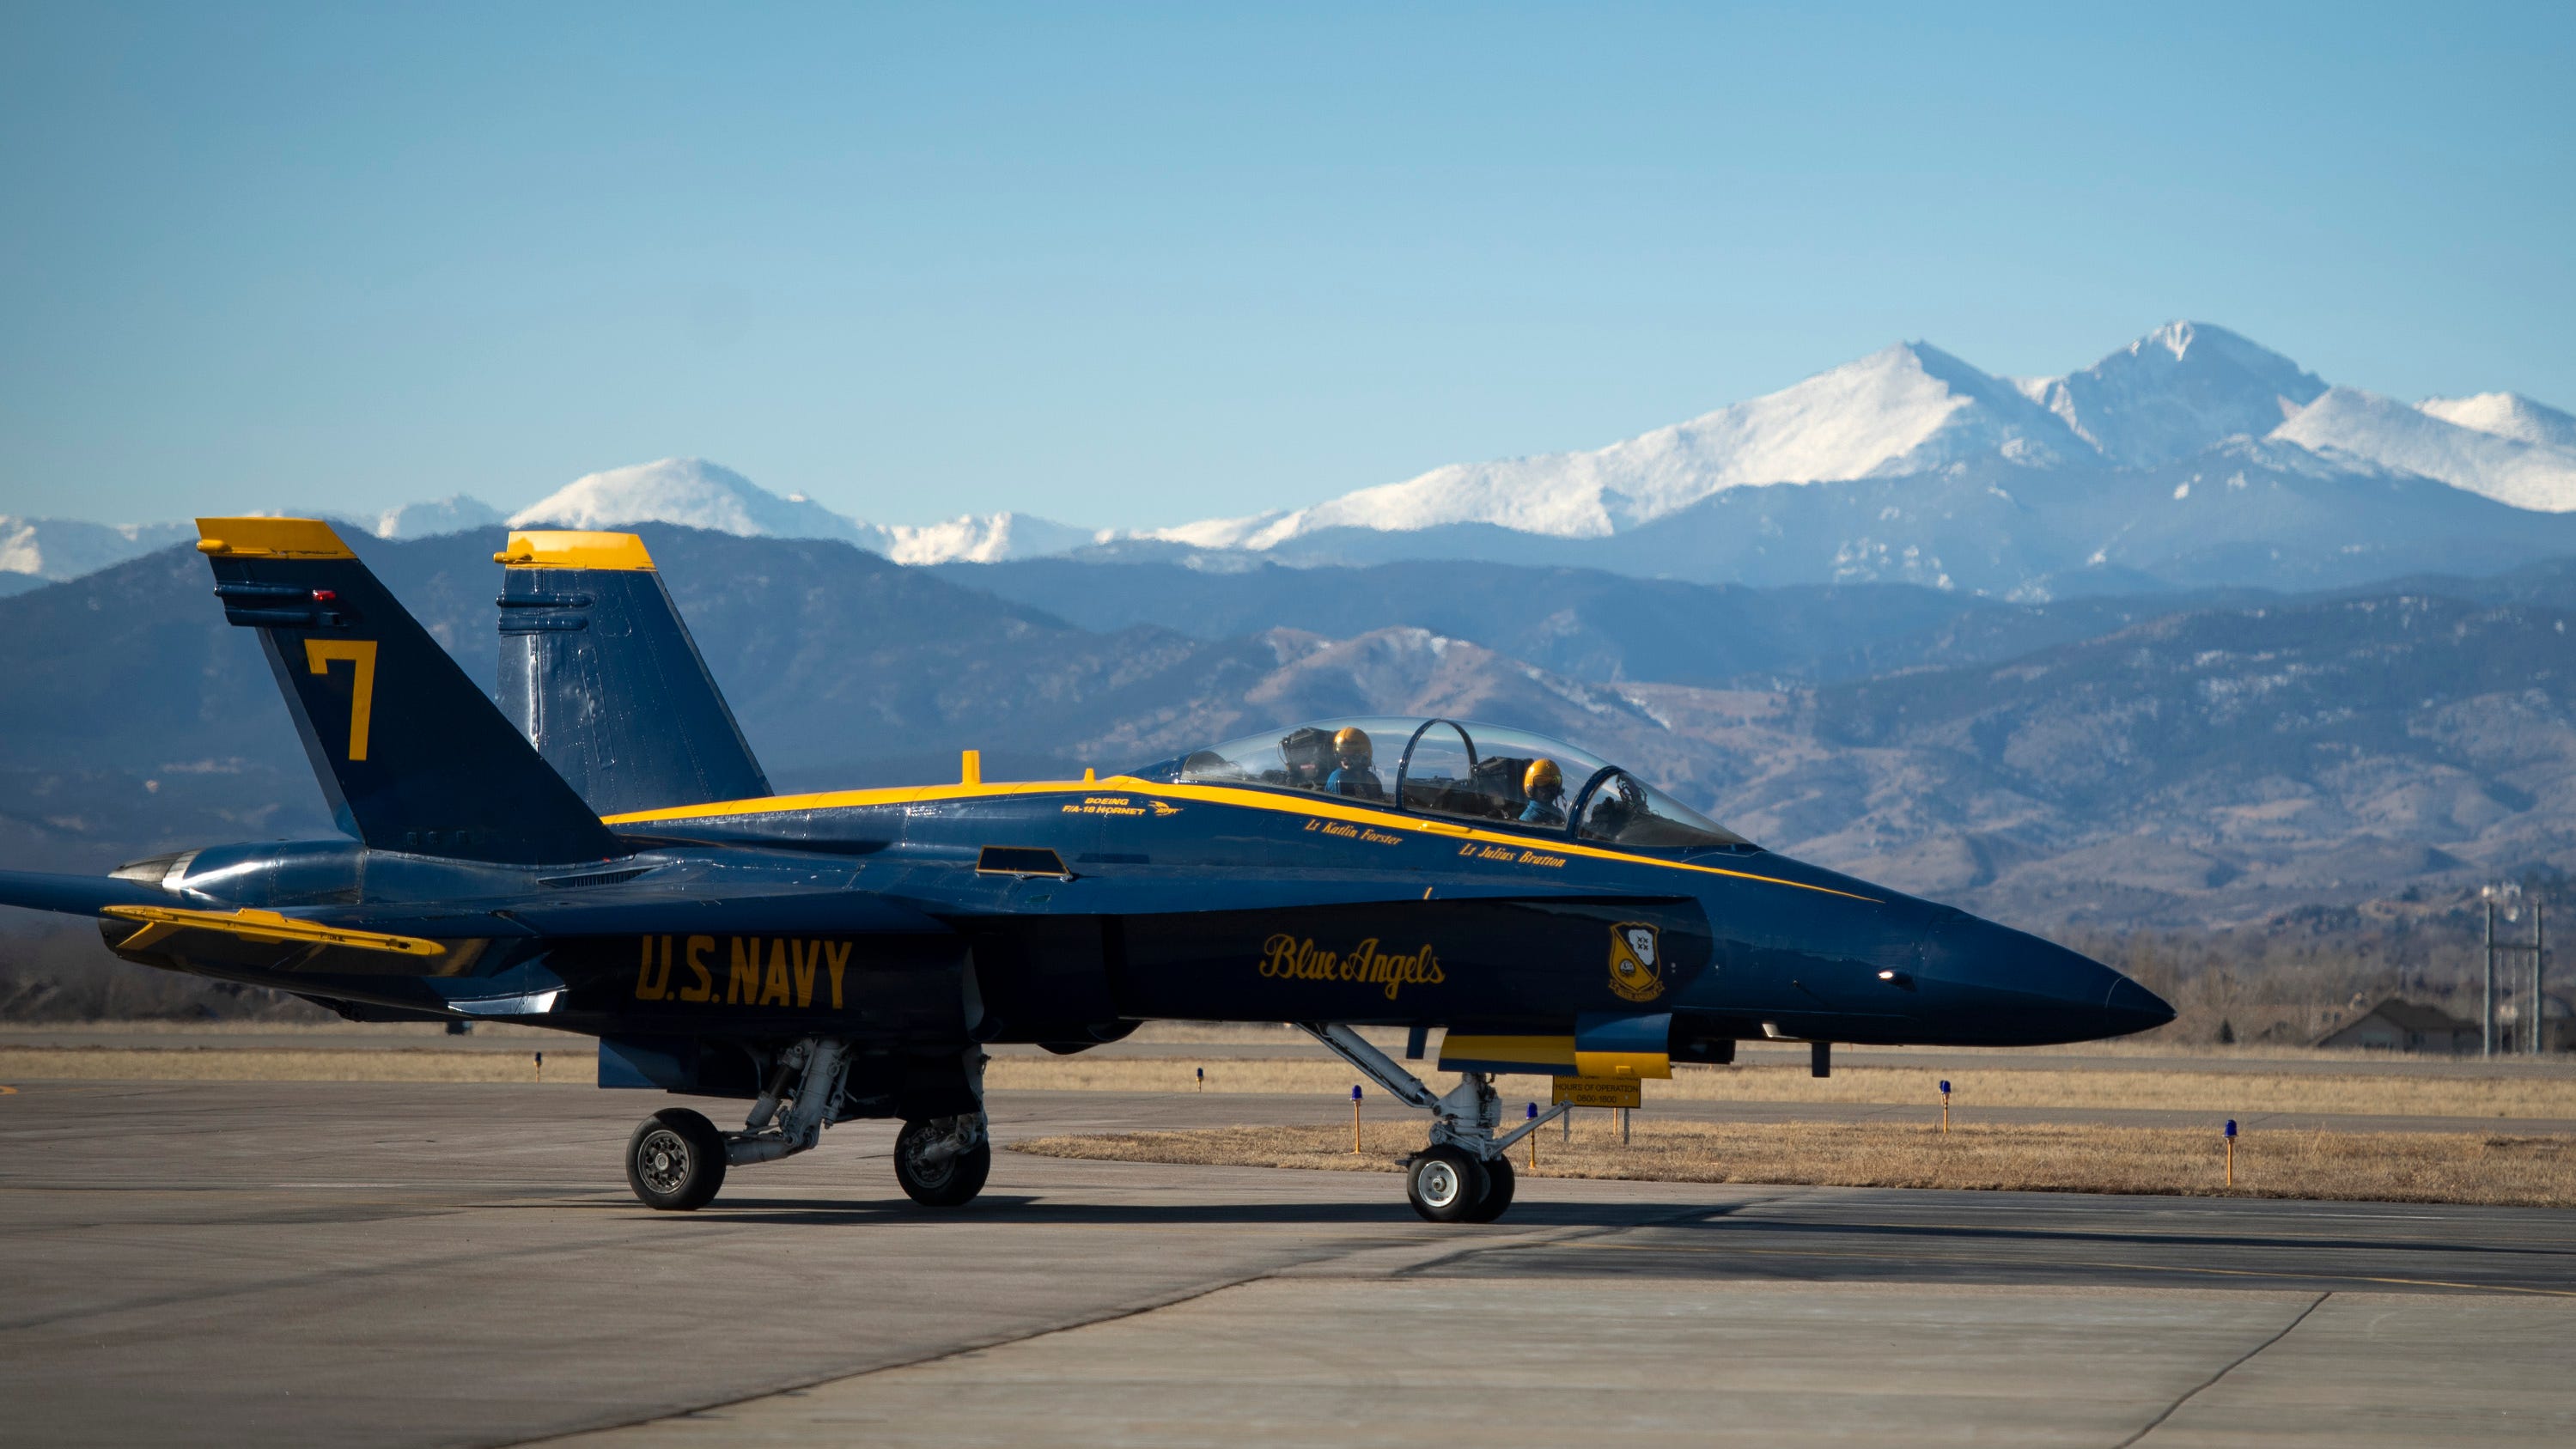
{"x":1357,"y":776}
{"x":1544,"y":783}
{"x":1307,"y":753}
{"x":1614,"y":809}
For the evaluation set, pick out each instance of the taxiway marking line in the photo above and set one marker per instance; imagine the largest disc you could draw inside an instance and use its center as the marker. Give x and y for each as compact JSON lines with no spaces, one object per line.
{"x":1794,"y":1224}
{"x":2096,"y":1263}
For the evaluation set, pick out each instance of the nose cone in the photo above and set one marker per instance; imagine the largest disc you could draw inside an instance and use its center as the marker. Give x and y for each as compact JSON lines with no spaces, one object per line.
{"x":2010,"y":987}
{"x":2132,"y":1007}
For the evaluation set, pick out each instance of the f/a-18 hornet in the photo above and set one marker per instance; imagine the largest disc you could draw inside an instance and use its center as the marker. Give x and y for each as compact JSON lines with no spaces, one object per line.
{"x":601,"y":854}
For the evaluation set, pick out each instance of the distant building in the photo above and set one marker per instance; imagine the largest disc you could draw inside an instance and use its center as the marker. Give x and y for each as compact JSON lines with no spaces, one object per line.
{"x":2399,"y":1025}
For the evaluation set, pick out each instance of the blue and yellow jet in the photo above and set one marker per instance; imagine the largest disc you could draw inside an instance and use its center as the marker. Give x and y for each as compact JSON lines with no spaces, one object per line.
{"x":602,"y":854}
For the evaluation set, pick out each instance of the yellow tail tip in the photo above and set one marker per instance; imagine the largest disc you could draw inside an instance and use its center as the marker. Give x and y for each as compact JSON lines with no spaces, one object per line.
{"x":269,"y":538}
{"x":574,"y":549}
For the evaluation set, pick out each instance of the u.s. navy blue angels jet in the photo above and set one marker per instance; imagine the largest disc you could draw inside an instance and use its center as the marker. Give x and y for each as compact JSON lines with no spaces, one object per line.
{"x":602,"y":854}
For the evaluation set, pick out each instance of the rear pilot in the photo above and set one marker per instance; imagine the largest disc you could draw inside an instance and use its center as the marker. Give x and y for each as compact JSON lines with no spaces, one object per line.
{"x":1544,"y":783}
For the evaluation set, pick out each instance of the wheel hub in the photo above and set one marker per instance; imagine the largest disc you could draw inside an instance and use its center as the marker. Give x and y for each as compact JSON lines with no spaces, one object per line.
{"x":1440,"y":1184}
{"x":929,"y":1174}
{"x":664,"y":1160}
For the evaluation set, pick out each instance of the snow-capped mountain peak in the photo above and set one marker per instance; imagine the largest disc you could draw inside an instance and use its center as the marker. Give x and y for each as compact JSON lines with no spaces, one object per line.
{"x":1912,"y":410}
{"x":2175,"y":392}
{"x":688,"y":491}
{"x":2507,"y":415}
{"x":979,"y":538}
{"x":64,"y":548}
{"x":699,"y":494}
{"x":1908,"y":408}
{"x":2355,"y":423}
{"x":453,"y":514}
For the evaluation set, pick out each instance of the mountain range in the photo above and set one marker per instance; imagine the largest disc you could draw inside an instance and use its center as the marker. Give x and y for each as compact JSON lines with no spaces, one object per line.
{"x":2190,"y":636}
{"x":1914,"y":411}
{"x":2203,"y":757}
{"x":2190,"y":458}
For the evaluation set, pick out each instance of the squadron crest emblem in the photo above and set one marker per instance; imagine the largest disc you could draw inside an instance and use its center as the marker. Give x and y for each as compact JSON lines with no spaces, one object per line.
{"x":1637,"y":960}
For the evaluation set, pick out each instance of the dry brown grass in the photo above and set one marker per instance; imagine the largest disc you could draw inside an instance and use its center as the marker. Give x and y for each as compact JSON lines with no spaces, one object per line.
{"x":2176,"y":1089}
{"x":181,"y":1033}
{"x":572,"y":1064}
{"x":1980,"y":1082}
{"x":2153,"y":1046}
{"x":2347,"y":1166}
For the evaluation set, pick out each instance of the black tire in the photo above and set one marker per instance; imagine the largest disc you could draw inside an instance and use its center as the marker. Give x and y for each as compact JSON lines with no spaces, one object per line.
{"x":1500,"y":1180}
{"x":675,"y":1162}
{"x":949,"y":1184}
{"x":1444,"y":1183}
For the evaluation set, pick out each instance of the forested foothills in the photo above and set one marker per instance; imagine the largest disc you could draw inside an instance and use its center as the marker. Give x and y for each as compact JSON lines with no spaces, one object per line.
{"x":2272,"y":808}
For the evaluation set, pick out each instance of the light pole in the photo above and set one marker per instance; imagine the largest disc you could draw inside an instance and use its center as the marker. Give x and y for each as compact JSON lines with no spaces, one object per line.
{"x":2530,"y":1017}
{"x":2539,"y":1010}
{"x":2487,"y":1037}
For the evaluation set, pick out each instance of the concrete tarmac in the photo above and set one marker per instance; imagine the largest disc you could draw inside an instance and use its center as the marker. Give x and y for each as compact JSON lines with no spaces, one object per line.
{"x":461,"y":1265}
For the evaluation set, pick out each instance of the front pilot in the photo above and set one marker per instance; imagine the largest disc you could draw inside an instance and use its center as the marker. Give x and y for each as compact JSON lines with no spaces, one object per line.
{"x":1357,"y":776}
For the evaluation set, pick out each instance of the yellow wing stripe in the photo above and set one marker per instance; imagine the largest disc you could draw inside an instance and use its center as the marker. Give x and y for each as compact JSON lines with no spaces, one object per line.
{"x":1277,"y":802}
{"x":160,"y":922}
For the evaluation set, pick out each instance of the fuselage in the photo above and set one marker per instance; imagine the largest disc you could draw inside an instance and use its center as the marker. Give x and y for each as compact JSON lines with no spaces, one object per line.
{"x":1064,"y":912}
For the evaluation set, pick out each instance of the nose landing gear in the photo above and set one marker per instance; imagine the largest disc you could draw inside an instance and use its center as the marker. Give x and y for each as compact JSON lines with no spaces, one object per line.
{"x":1448,"y":1185}
{"x":1464,"y":1175}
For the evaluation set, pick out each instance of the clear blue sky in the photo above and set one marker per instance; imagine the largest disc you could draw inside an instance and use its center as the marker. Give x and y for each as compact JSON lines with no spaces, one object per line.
{"x":1143,"y":266}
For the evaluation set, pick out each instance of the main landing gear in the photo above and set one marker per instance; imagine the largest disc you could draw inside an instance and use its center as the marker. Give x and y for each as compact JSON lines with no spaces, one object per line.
{"x":942,"y":1161}
{"x":1465,"y":1174}
{"x":677,"y":1159}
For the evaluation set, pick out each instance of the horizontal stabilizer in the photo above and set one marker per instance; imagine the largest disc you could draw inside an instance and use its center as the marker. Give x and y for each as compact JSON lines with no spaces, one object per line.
{"x":162,"y":922}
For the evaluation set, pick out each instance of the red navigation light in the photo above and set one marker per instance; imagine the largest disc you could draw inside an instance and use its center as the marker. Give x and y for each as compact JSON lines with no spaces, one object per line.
{"x":326,"y":596}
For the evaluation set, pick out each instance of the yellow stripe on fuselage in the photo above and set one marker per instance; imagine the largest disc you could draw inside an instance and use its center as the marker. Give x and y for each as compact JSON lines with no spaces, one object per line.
{"x":1278,"y":802}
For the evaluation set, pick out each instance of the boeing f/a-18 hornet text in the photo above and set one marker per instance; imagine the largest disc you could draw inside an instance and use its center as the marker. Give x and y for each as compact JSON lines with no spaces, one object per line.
{"x":601,"y":854}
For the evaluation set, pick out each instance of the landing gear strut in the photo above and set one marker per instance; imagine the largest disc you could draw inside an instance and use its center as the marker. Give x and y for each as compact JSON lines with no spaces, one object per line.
{"x":676,"y":1160}
{"x":1463,"y":1176}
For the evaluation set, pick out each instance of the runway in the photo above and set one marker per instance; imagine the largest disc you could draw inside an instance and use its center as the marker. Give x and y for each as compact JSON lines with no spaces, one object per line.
{"x":461,"y":1265}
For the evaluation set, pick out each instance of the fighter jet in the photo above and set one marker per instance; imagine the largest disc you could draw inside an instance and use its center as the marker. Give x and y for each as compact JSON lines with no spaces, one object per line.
{"x":601,"y":854}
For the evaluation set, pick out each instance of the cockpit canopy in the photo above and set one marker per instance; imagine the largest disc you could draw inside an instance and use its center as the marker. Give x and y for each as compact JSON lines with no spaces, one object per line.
{"x":1460,"y":770}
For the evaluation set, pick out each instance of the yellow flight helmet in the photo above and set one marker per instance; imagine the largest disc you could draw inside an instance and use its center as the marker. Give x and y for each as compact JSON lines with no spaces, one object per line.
{"x":1352,"y":745}
{"x":1542,"y":775}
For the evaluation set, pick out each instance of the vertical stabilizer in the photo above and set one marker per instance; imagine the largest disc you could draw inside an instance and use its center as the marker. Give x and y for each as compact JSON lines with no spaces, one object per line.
{"x":410,"y":754}
{"x":600,"y":674}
